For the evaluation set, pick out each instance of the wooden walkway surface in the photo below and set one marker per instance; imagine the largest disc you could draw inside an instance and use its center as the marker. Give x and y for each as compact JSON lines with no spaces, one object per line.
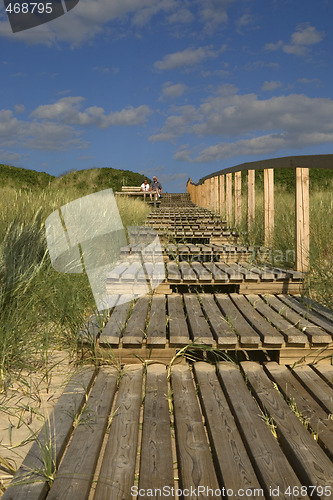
{"x":207,"y":431}
{"x":282,"y":326}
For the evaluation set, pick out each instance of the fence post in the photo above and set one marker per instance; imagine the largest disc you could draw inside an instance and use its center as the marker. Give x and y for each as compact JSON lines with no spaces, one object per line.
{"x":238,"y":197}
{"x":229,"y":198}
{"x":302,"y":212}
{"x":269,"y":205}
{"x":216,"y":193}
{"x":222,"y":195}
{"x":251,"y":200}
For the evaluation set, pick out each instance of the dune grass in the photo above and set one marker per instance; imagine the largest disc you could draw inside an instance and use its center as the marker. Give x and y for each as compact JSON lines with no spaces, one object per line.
{"x":319,"y":281}
{"x":40,"y":308}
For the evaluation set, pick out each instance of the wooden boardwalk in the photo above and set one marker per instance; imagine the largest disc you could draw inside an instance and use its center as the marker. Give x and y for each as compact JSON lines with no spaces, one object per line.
{"x":211,"y":431}
{"x":250,"y":419}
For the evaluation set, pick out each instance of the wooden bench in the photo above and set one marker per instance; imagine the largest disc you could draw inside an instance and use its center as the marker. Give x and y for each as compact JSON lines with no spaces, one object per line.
{"x":201,"y":428}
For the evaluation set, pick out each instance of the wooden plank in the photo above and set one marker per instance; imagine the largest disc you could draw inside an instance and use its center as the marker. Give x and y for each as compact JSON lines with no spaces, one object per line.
{"x":310,"y":410}
{"x":194,"y":457}
{"x":188,"y":275}
{"x":315,"y":306}
{"x":307,"y":313}
{"x":199,"y":328}
{"x":219,"y":276}
{"x":314,"y":384}
{"x":302,"y":213}
{"x":315,"y":334}
{"x":178,"y":330}
{"x":222,"y":195}
{"x":269,"y":334}
{"x":291,"y":334}
{"x":228,"y":199}
{"x":156,"y":331}
{"x":326,"y":373}
{"x":28,"y":483}
{"x":251,"y":194}
{"x":112,"y":331}
{"x":269,"y":462}
{"x":118,"y":466}
{"x":238,"y":198}
{"x":222,"y":331}
{"x":247,"y":335}
{"x":156,"y":462}
{"x":204,"y":276}
{"x":268,"y":205}
{"x":233,"y":466}
{"x":234,"y":275}
{"x":116,"y":273}
{"x":173,"y":273}
{"x":77,"y":469}
{"x":136,"y":325}
{"x":309,"y":461}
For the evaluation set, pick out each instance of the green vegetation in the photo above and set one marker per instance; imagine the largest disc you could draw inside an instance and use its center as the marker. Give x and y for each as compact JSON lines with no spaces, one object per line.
{"x":319,"y":281}
{"x":40,"y":308}
{"x":84,"y":181}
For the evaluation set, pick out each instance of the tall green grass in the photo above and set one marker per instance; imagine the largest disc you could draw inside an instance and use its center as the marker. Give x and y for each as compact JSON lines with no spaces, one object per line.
{"x":40,"y":308}
{"x":319,"y":281}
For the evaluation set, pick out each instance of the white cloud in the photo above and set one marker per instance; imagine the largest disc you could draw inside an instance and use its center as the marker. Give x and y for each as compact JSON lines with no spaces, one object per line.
{"x":249,"y":125}
{"x":68,"y":110}
{"x":187,"y":57}
{"x":89,"y":18}
{"x":213,"y":13}
{"x":271,"y":85}
{"x":300,"y":41}
{"x":172,"y":90}
{"x":58,"y":126}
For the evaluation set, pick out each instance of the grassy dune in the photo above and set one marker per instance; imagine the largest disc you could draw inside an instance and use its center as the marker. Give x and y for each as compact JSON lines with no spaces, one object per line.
{"x":40,"y":307}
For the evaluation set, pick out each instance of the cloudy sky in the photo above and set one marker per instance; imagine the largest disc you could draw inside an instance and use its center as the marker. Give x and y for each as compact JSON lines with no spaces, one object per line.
{"x":176,"y":88}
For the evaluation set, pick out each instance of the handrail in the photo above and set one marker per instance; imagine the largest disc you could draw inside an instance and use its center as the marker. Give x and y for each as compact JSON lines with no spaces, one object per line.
{"x":214,"y":191}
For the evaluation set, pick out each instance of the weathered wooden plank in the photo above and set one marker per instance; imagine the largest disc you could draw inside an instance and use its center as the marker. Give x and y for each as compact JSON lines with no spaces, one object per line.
{"x":269,"y":334}
{"x":75,"y":475}
{"x":187,"y":273}
{"x":291,"y":334}
{"x":326,"y":372}
{"x":156,"y":331}
{"x":269,"y":462}
{"x":219,"y":276}
{"x":315,"y":306}
{"x":118,"y":466}
{"x":234,"y":275}
{"x":178,"y":330}
{"x":29,"y":483}
{"x":136,"y":325}
{"x":314,"y":384}
{"x":199,"y":327}
{"x":315,"y":334}
{"x":302,"y":215}
{"x":173,"y":273}
{"x":222,"y":331}
{"x":268,"y":205}
{"x":232,"y":463}
{"x":247,"y":335}
{"x":204,"y":276}
{"x":312,"y":465}
{"x":194,"y":457}
{"x":156,"y":462}
{"x":307,"y":313}
{"x":111,"y":333}
{"x":251,"y":193}
{"x":304,"y":404}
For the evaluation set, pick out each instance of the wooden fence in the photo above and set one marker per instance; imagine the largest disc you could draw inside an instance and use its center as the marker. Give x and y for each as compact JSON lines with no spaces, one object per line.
{"x":216,"y":192}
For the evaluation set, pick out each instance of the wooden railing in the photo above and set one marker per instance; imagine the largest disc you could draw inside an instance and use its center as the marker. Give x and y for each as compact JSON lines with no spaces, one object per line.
{"x":216,"y":192}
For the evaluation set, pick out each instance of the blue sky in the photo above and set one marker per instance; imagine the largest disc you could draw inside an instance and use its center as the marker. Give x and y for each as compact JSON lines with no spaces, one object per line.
{"x":174,"y":88}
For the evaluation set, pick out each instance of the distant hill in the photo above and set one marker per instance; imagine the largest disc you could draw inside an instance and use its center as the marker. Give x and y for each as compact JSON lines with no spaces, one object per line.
{"x":90,"y":180}
{"x":21,"y":178}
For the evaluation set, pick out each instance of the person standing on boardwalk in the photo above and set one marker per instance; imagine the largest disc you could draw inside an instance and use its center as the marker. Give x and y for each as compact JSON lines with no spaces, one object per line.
{"x":145,"y":187}
{"x":155,"y":188}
